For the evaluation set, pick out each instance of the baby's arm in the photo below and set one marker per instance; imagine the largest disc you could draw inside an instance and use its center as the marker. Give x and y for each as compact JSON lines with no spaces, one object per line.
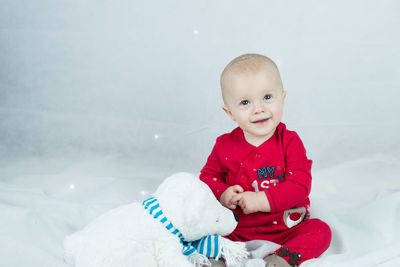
{"x":297,"y":182}
{"x":213,"y":172}
{"x":251,"y":202}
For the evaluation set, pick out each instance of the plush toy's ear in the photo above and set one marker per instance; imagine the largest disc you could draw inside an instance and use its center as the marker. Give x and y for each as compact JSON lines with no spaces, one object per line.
{"x":192,"y":207}
{"x":174,"y":194}
{"x":176,"y":187}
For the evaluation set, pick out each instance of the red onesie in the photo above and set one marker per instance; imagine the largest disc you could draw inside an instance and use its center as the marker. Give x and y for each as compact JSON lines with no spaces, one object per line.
{"x":281,"y":169}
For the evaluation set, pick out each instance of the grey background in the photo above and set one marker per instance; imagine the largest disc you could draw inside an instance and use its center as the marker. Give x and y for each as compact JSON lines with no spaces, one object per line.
{"x":138,"y":81}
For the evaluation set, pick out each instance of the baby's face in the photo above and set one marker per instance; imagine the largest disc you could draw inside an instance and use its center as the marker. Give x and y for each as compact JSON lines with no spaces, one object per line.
{"x":255,"y":101}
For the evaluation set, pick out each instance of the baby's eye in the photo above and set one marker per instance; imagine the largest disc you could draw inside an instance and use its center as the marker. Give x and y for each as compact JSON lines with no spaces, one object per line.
{"x":267,"y":97}
{"x":244,"y":102}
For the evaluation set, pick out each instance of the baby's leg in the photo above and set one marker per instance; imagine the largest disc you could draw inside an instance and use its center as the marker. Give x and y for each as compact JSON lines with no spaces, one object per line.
{"x":308,"y":240}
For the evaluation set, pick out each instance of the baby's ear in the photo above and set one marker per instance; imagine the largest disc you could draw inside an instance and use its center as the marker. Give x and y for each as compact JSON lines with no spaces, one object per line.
{"x":227,"y":111}
{"x":284,"y":95}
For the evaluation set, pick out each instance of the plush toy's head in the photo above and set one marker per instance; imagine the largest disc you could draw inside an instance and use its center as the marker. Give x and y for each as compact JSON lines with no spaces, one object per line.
{"x":192,"y":207}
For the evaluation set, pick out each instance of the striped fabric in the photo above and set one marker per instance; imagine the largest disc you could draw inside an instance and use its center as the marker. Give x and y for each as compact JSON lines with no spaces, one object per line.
{"x":208,"y":246}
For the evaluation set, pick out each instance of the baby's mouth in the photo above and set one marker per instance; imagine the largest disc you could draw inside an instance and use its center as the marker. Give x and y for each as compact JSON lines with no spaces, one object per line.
{"x":261,"y":120}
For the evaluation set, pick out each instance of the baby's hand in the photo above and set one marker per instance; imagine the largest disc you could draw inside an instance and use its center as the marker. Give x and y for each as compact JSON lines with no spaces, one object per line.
{"x":230,"y":196}
{"x":251,"y":202}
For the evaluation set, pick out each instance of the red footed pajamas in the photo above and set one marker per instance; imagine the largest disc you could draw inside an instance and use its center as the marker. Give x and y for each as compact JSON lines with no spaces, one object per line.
{"x":280,"y":168}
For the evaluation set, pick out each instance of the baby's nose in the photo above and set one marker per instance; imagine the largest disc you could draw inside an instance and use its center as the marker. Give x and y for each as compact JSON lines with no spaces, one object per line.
{"x":258,"y":108}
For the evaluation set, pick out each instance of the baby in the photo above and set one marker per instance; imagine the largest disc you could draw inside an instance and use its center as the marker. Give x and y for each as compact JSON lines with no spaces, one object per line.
{"x":261,"y":169}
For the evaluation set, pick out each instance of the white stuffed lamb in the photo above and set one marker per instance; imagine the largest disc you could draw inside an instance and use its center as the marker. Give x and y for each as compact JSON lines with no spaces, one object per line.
{"x":158,"y":231}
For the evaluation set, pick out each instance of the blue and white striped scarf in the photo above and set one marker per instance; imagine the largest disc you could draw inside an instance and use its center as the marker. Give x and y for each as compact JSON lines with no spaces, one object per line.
{"x":197,"y":251}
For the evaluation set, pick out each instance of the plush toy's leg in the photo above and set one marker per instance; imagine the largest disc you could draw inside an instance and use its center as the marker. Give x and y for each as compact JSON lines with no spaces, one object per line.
{"x":143,"y":259}
{"x":169,"y":254}
{"x":122,"y":258}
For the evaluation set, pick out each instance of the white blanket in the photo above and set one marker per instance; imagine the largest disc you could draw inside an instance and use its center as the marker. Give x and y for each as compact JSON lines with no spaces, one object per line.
{"x":360,"y":200}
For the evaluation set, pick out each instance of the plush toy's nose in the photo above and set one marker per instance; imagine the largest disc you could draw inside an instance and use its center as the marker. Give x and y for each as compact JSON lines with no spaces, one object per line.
{"x":236,"y":216}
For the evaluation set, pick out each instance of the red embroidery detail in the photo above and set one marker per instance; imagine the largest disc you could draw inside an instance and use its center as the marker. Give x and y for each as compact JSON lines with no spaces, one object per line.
{"x":295,"y":216}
